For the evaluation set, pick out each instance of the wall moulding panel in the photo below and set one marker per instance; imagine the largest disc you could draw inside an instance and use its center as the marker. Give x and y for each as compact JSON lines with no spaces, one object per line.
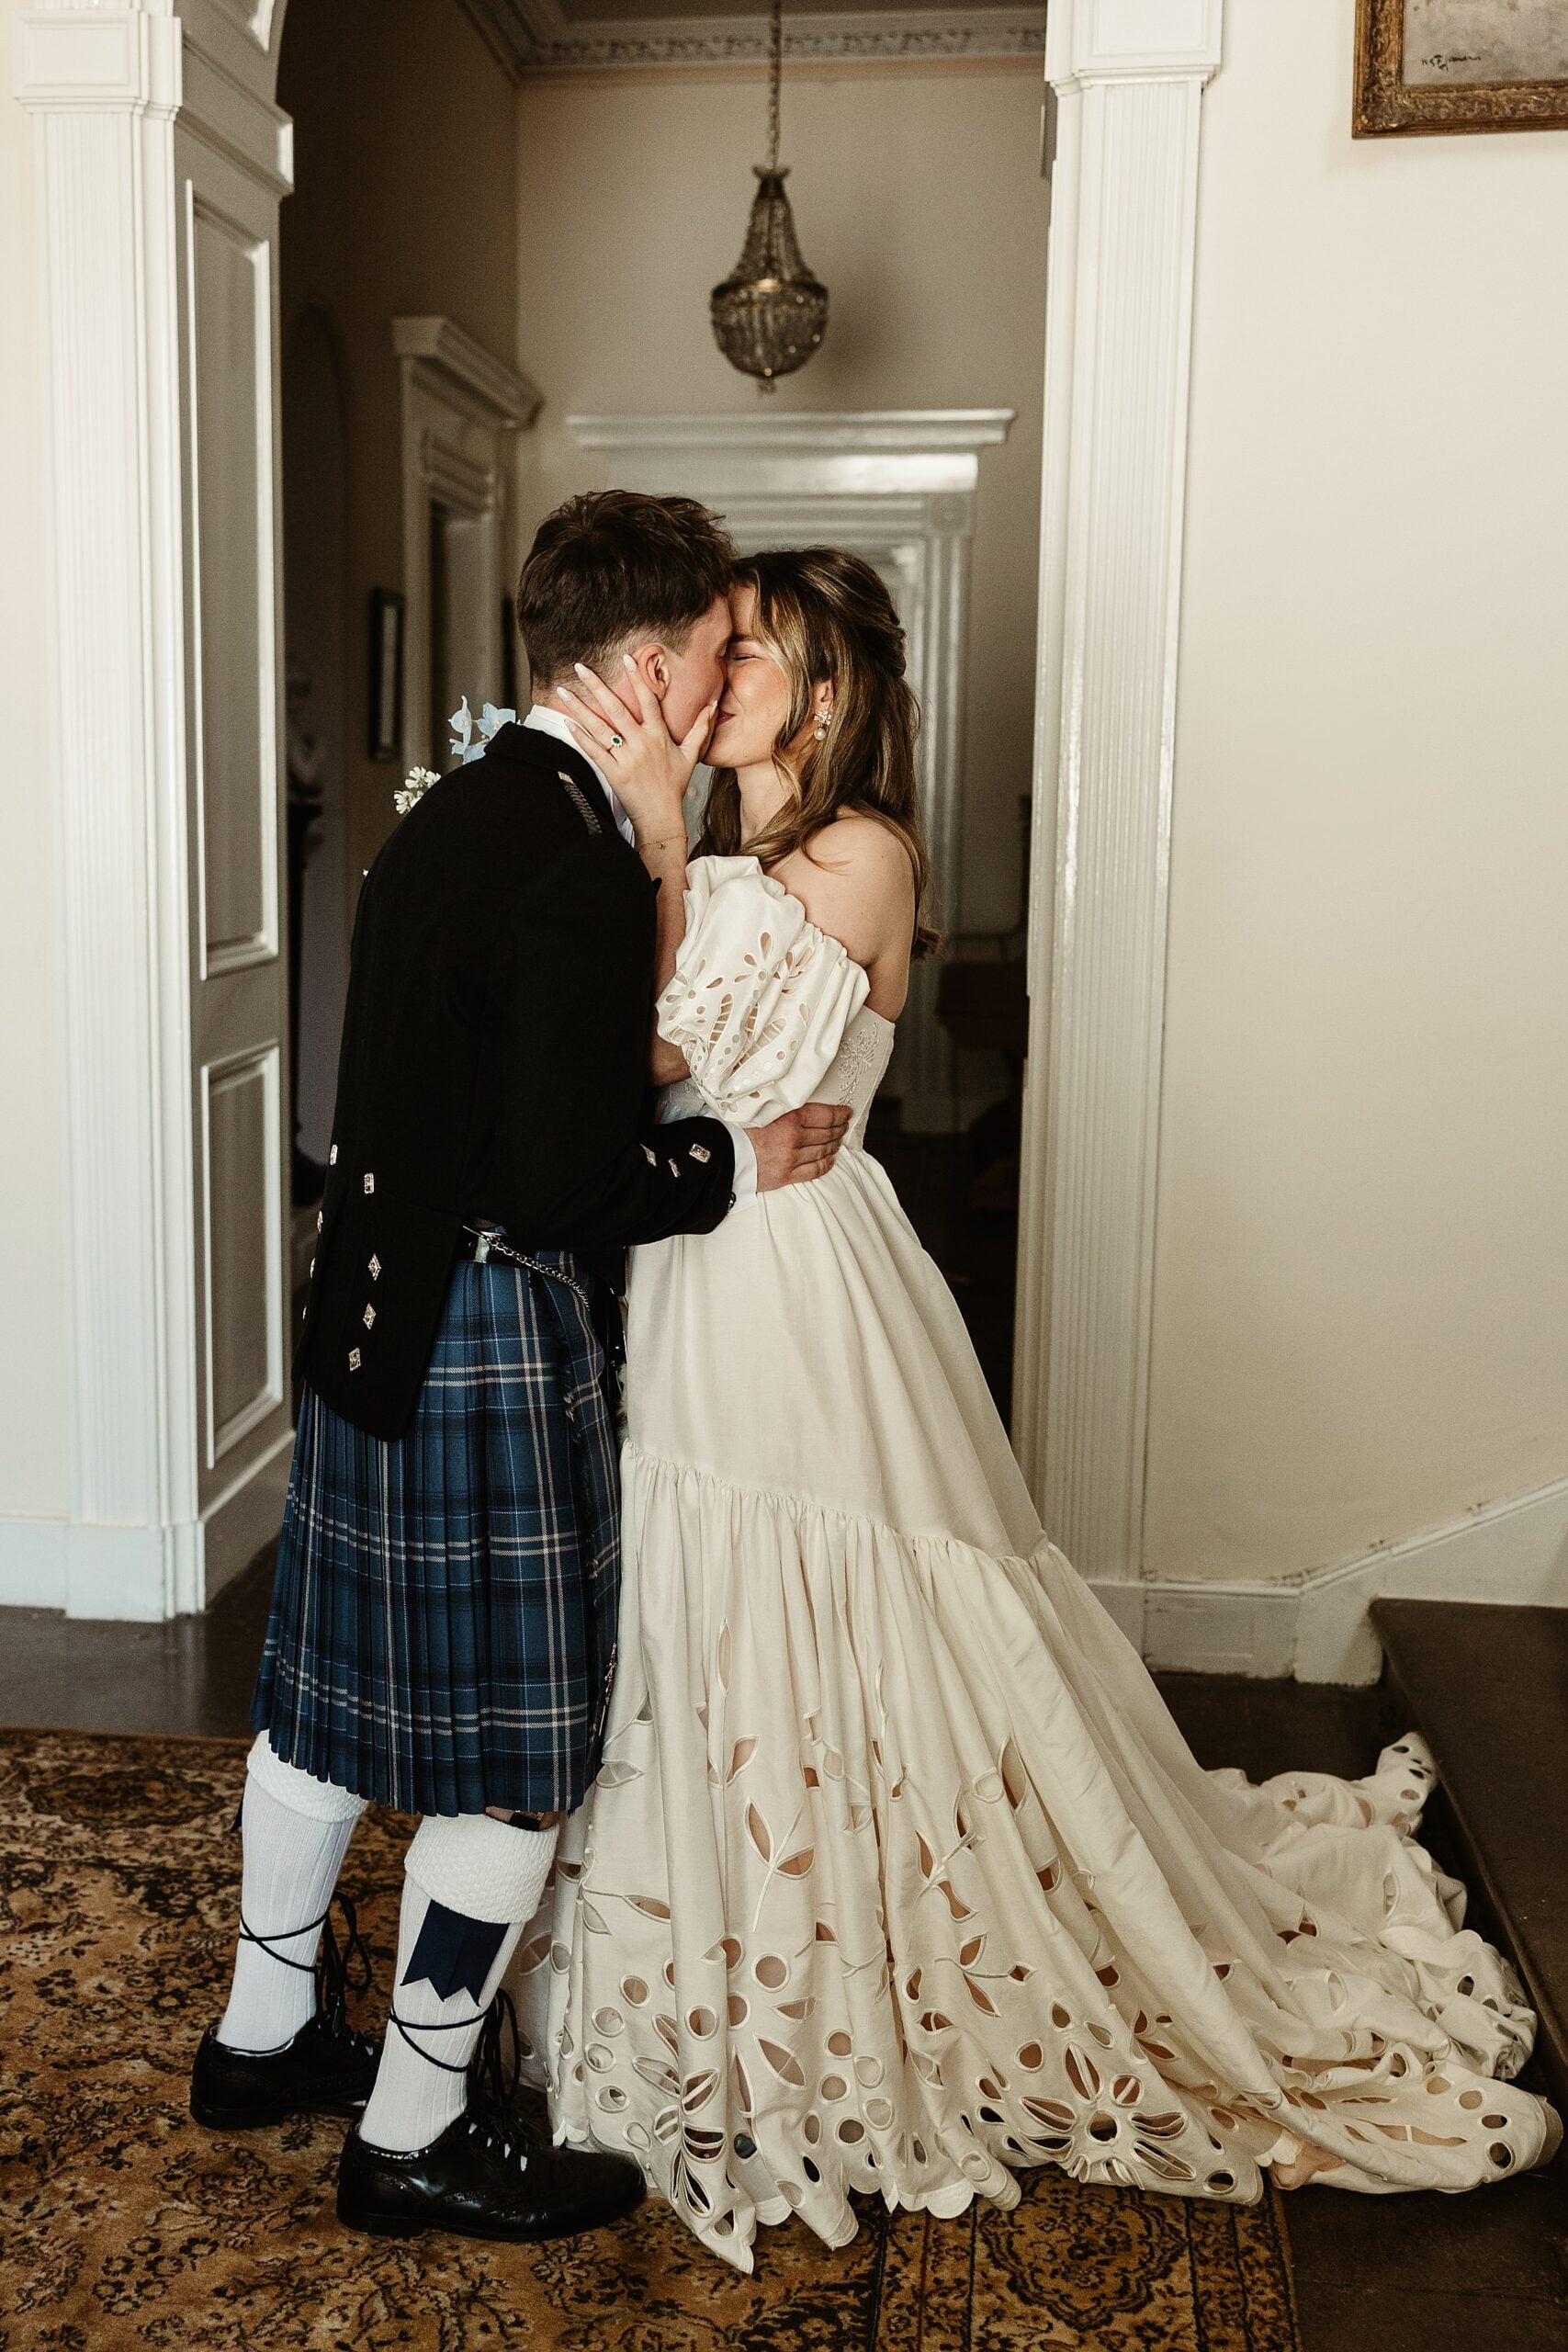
{"x":1128,"y":78}
{"x":896,"y":486}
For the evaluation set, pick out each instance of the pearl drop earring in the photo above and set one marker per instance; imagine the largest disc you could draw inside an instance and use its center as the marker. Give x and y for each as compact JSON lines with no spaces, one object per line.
{"x":822,"y":727}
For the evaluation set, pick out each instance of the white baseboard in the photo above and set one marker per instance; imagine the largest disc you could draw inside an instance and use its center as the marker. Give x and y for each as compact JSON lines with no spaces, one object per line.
{"x":142,"y":1574}
{"x":32,"y":1563}
{"x":1316,"y":1627}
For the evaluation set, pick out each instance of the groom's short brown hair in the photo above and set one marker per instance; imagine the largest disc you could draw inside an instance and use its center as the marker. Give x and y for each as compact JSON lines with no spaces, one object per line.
{"x":611,"y":565}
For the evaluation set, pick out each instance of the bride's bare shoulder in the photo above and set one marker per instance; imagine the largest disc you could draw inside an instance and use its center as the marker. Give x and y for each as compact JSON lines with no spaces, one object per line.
{"x":856,"y":883}
{"x":855,"y":854}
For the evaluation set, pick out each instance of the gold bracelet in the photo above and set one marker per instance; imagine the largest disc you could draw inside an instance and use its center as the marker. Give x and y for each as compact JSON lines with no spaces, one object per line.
{"x":669,"y":839}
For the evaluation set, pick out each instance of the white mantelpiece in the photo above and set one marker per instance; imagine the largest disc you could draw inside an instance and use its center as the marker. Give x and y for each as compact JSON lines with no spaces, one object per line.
{"x":1128,"y":79}
{"x":896,"y":486}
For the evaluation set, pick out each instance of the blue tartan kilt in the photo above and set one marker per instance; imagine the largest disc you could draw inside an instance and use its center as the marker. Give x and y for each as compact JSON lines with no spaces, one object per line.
{"x":442,"y":1632}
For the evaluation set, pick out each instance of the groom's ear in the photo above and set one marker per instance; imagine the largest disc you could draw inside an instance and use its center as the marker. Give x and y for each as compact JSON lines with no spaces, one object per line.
{"x":653,"y":667}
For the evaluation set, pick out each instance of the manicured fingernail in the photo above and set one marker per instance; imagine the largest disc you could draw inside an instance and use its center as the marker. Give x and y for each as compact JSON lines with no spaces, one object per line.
{"x":581,"y":669}
{"x":566,"y":694}
{"x":629,"y":662}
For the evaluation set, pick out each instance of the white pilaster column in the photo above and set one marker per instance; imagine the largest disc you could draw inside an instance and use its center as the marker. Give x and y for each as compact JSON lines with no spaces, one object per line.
{"x":1127,"y":77}
{"x":104,"y":87}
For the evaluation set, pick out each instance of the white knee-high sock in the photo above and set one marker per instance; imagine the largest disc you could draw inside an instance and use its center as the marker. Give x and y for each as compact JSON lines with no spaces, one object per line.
{"x":296,"y":1834}
{"x":483,"y":1869}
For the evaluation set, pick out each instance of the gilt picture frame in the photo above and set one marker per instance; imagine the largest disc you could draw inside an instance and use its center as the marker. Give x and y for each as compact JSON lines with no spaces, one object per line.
{"x":1460,"y":66}
{"x":1429,"y":66}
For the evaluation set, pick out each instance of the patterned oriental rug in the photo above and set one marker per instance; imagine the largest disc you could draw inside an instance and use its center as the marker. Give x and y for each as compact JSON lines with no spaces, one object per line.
{"x":124,"y":2227}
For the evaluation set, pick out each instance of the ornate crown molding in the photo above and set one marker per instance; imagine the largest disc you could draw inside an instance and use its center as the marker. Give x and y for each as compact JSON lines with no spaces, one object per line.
{"x":536,"y":36}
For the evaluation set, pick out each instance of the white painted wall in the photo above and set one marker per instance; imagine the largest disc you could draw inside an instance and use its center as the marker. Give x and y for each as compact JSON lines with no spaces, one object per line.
{"x":919,"y":202}
{"x":33,"y":1324}
{"x":1361,"y":1278}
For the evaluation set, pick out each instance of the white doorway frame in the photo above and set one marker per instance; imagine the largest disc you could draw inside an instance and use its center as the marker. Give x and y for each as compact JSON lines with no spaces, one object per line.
{"x":107,"y":86}
{"x":897,"y":486}
{"x":459,"y":407}
{"x":1126,"y":81}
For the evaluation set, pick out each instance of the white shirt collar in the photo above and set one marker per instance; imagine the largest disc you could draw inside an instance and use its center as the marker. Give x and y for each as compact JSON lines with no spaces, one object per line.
{"x":554,"y":722}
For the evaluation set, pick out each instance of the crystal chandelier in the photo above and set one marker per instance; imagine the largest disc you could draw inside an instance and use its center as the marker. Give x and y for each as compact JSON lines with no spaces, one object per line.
{"x":770,"y":313}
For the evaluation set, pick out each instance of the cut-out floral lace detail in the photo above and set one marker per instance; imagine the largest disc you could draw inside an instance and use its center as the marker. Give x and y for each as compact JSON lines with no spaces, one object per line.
{"x":760,"y":999}
{"x":897,"y":1875}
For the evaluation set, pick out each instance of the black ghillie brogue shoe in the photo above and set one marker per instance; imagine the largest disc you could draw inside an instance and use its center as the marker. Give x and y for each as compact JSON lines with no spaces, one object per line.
{"x":327,"y":2069}
{"x":493,"y":2174}
{"x":472,"y":2182}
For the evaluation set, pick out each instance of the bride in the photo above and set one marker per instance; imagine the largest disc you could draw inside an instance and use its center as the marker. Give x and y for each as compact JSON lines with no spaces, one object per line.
{"x":898,"y":1875}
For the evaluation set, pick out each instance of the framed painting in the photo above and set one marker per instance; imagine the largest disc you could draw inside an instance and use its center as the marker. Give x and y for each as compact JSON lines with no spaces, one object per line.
{"x":1434,"y":65}
{"x":386,"y":608}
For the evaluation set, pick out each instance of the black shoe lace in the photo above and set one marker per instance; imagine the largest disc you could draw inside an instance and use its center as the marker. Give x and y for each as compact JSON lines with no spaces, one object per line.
{"x":341,"y":1971}
{"x":492,"y":2083}
{"x":334,"y":1969}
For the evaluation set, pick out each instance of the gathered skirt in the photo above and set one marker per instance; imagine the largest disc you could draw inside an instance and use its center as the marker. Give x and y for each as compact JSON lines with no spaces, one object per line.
{"x":442,"y":1617}
{"x":898,"y":1875}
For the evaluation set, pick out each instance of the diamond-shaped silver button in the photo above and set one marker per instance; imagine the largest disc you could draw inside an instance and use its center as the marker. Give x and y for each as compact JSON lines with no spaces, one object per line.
{"x":354,"y":1359}
{"x":331,"y":1157}
{"x":650,"y":1154}
{"x":318,"y":1220}
{"x":369,"y":1317}
{"x":374,"y":1270}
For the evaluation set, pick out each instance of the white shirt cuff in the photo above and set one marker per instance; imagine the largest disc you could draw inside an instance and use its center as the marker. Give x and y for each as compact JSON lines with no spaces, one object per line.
{"x":744,"y":1181}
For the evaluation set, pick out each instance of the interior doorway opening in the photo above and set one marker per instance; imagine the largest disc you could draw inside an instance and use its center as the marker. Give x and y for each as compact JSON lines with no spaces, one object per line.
{"x":315,"y":573}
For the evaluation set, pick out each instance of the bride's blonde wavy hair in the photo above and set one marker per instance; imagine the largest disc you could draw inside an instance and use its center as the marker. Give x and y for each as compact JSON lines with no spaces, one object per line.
{"x":824,"y":615}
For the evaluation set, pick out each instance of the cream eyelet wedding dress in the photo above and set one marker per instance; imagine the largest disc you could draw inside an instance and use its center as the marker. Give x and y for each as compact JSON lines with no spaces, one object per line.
{"x":898,"y":1875}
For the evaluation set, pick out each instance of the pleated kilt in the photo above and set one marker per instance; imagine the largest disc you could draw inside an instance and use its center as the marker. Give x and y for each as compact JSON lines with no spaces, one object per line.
{"x":443,"y":1620}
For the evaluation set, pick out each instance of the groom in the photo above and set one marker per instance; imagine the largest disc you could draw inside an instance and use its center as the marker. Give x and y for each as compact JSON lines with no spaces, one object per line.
{"x":443,"y":1619}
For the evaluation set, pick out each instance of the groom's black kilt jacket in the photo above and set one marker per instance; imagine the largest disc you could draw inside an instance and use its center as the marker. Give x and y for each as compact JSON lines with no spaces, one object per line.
{"x":494,"y":1066}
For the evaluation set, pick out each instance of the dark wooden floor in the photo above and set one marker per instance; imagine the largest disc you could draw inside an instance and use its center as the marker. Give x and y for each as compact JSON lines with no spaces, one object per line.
{"x":1488,"y":1686}
{"x":1396,"y":2274}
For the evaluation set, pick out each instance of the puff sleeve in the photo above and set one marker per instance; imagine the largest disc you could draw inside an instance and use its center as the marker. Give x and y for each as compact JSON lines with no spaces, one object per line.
{"x":760,"y":999}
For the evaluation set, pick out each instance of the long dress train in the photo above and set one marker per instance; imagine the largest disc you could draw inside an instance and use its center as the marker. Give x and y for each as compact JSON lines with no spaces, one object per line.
{"x":898,"y":1875}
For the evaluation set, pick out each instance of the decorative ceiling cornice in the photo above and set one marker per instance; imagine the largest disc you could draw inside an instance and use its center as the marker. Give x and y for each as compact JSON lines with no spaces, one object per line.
{"x":536,"y":36}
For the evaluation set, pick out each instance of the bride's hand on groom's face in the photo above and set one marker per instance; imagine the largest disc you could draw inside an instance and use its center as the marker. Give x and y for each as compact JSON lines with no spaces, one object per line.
{"x":624,"y":732}
{"x":800,"y":1146}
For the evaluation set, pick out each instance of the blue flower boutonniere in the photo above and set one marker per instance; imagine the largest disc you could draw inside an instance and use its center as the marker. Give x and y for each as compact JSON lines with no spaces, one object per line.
{"x":470,"y":739}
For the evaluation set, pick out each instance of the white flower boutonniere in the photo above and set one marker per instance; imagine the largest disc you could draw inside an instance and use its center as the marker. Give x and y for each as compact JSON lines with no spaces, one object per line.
{"x":471,"y":739}
{"x":415,"y":787}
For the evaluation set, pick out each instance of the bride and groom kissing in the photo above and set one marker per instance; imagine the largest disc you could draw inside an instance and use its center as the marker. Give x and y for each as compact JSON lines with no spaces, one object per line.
{"x":771,"y":1761}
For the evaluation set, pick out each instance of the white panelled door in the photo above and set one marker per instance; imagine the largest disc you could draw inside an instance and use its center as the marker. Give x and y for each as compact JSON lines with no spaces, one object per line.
{"x":162,"y":160}
{"x":238,"y":1074}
